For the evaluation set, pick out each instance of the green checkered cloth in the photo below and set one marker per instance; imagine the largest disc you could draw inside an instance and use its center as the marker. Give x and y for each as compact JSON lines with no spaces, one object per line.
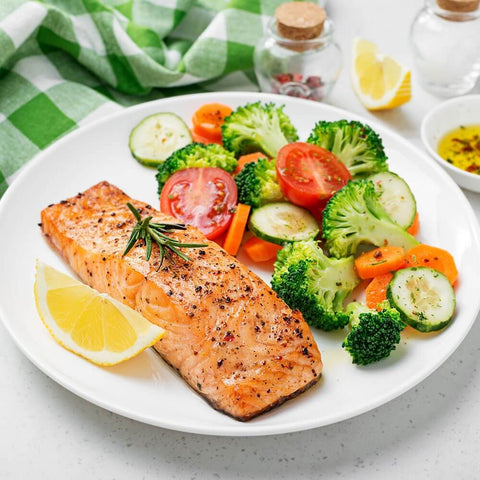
{"x":64,"y":63}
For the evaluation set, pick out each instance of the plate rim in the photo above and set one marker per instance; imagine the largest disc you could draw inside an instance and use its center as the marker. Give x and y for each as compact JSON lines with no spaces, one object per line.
{"x":252,"y":429}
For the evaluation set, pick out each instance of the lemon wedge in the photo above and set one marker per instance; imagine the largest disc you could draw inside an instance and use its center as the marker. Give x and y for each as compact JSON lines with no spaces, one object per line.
{"x":379,"y":81}
{"x":88,"y":323}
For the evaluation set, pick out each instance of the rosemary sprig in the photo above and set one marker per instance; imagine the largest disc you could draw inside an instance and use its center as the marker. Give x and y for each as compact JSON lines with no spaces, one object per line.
{"x":155,"y":233}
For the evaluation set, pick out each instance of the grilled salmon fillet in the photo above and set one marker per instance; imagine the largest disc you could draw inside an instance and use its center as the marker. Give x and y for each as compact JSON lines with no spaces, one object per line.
{"x":228,"y":334}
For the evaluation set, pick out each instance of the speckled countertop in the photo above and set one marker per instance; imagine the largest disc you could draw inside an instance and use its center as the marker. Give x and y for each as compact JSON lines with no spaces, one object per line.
{"x":430,"y":432}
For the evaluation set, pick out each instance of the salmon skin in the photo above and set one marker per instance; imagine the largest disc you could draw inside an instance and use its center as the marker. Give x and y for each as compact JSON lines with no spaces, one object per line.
{"x":228,"y":333}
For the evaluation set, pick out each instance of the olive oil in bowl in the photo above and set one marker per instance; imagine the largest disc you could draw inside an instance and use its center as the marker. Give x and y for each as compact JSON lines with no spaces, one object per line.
{"x":461,"y":148}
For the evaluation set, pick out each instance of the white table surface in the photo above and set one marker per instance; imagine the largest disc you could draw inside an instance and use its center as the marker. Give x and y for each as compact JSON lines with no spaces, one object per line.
{"x":432,"y":431}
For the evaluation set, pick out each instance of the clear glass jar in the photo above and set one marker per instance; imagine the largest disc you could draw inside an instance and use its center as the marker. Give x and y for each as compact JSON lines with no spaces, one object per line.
{"x":298,"y":68}
{"x":446,"y":49}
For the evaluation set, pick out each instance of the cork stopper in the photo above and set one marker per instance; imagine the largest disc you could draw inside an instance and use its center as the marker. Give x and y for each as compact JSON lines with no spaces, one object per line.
{"x":300,"y":20}
{"x":460,"y":6}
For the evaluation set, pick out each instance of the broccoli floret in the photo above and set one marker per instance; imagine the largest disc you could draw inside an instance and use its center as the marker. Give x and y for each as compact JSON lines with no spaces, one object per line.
{"x":257,"y":183}
{"x":258,"y":128}
{"x":307,"y":280}
{"x":354,"y":216}
{"x":373,"y":334}
{"x":355,"y":144}
{"x":195,"y":155}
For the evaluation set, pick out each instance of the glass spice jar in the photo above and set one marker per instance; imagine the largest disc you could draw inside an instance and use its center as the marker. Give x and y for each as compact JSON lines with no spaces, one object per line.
{"x":445,"y":39}
{"x":298,"y":55}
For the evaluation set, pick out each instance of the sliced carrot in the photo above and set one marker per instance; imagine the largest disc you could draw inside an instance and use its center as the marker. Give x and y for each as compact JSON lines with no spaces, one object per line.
{"x":200,"y":139}
{"x":427,"y":256}
{"x":236,"y":229}
{"x":244,"y":159}
{"x":208,"y":120}
{"x":379,"y":261}
{"x":415,"y":226}
{"x":260,"y":250}
{"x":376,"y":291}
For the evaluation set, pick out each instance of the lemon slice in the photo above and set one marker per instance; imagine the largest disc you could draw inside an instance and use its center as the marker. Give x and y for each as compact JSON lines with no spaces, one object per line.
{"x":88,"y":323}
{"x":379,"y":81}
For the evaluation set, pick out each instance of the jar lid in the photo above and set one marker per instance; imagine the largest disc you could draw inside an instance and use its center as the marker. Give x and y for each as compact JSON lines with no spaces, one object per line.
{"x":459,"y":5}
{"x":300,"y":20}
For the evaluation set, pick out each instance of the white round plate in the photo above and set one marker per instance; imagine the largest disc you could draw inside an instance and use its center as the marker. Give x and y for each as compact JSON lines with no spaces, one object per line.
{"x":147,"y":389}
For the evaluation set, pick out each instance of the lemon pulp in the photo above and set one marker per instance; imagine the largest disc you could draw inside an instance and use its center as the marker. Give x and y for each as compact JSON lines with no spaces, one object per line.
{"x":380,"y":81}
{"x":89,"y":323}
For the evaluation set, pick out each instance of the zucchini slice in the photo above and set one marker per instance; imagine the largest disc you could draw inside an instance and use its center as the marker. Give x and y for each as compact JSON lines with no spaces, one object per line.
{"x":282,"y":222}
{"x":156,"y":137}
{"x":396,"y":198}
{"x":423,"y":297}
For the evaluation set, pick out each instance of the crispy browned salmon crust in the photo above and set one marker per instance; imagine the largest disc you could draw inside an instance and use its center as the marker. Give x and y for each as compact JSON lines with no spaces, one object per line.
{"x":228,"y":334}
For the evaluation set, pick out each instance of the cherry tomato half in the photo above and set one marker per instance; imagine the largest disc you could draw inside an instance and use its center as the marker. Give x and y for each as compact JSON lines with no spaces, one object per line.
{"x":308,"y":175}
{"x":202,"y":197}
{"x":208,"y":120}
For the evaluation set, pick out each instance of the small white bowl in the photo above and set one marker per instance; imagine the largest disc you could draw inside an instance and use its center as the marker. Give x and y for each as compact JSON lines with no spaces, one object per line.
{"x":444,"y":118}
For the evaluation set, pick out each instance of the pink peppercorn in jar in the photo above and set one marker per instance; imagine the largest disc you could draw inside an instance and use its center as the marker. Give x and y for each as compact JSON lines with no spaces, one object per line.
{"x":298,"y":56}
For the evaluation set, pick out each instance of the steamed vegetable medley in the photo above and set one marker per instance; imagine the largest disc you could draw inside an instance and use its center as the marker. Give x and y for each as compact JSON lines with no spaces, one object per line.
{"x":328,"y":212}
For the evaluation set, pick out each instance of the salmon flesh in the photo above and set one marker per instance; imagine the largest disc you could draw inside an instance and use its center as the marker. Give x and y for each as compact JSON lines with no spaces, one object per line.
{"x":228,"y":333}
